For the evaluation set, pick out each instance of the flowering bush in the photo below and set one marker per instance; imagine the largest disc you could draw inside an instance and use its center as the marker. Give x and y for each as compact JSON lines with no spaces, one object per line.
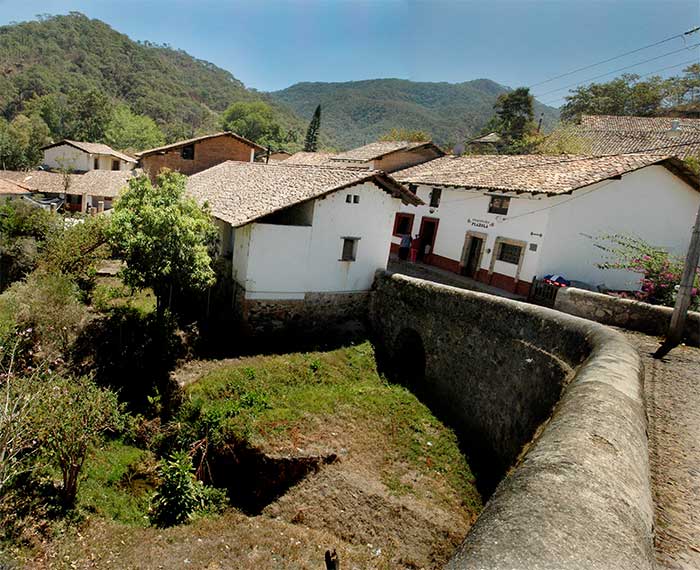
{"x":660,"y":272}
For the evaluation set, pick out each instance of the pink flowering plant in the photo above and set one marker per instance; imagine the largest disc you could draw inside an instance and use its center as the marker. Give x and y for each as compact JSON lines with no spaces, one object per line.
{"x":660,"y":272}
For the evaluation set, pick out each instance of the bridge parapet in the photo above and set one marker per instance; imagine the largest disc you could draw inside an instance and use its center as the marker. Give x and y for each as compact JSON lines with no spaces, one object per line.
{"x":508,"y":376}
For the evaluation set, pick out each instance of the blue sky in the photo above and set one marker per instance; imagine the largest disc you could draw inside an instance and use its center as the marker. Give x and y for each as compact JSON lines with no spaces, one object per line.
{"x":270,"y":44}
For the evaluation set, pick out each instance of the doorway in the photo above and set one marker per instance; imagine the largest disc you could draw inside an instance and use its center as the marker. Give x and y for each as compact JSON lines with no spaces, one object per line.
{"x":472,"y":259}
{"x":428,"y":231}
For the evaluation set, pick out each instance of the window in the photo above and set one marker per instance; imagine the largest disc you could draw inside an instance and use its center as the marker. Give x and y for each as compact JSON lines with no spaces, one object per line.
{"x":187,"y":152}
{"x":403,"y":224}
{"x":412,"y":188}
{"x":115,"y":165}
{"x":349,"y":249}
{"x":356,"y":199}
{"x":435,"y":195}
{"x":352,"y":199}
{"x":96,"y":164}
{"x":499,"y":205}
{"x":348,"y":199}
{"x":509,"y":253}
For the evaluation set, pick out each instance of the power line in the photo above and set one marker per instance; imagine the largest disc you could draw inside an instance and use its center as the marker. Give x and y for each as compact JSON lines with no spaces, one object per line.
{"x":618,"y":70}
{"x":689,"y":32}
{"x":688,"y":62}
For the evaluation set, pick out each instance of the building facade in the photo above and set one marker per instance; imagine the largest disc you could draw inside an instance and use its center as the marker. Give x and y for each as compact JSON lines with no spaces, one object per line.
{"x":506,"y":220}
{"x":75,"y":156}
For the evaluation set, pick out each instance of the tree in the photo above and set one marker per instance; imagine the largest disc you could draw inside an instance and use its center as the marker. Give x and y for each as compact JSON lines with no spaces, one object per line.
{"x":72,"y":419}
{"x":405,"y":135}
{"x":21,"y":141}
{"x":311,"y":142}
{"x":255,"y":121}
{"x":128,"y":131}
{"x":88,"y":115}
{"x":164,"y":237}
{"x":514,"y":116}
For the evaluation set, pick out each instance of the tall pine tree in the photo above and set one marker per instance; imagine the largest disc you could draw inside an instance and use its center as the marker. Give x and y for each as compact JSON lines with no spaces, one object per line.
{"x":311,"y":142}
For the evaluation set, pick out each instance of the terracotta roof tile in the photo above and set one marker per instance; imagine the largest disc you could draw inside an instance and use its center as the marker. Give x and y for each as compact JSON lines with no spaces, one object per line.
{"x":178,"y":144}
{"x":378,"y":149}
{"x":94,"y":182}
{"x":93,"y":148}
{"x":241,"y":192}
{"x":535,"y":173}
{"x":12,"y":187}
{"x":310,"y":158}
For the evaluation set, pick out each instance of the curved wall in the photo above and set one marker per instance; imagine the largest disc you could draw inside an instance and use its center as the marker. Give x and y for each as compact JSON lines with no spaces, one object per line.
{"x":494,"y":369}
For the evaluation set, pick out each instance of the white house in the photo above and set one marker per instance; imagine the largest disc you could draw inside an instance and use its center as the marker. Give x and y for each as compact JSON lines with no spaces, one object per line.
{"x":505,"y":220}
{"x":302,"y":240}
{"x":78,"y":156}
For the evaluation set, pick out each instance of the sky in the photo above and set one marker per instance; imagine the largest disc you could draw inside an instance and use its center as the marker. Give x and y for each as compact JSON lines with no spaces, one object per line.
{"x":271,"y":44}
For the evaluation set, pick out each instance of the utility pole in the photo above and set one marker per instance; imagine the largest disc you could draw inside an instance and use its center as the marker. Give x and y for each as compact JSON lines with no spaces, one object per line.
{"x":680,"y":310}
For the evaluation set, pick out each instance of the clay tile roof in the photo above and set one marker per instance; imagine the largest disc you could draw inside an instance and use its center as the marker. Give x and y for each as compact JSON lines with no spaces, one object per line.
{"x":93,"y":148}
{"x":94,"y":182}
{"x":12,"y":187}
{"x":242,"y":192}
{"x":179,"y":144}
{"x":535,"y":173}
{"x":310,"y":158}
{"x":379,"y":149}
{"x":608,"y":134}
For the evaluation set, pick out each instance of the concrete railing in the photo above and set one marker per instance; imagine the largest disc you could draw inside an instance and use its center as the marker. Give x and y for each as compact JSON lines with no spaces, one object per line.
{"x":493,"y":369}
{"x":625,"y":313}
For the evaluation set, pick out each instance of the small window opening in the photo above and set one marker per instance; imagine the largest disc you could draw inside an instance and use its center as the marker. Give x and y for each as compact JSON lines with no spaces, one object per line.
{"x":499,"y":205}
{"x":349,"y":249}
{"x":509,"y":253}
{"x":348,"y":199}
{"x":115,"y":165}
{"x":435,"y":195}
{"x":355,"y":199}
{"x":403,"y":224}
{"x":96,"y":164}
{"x":187,"y":152}
{"x":412,"y":188}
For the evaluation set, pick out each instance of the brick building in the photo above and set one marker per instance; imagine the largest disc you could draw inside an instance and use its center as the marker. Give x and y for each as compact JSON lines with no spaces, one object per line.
{"x":194,"y":155}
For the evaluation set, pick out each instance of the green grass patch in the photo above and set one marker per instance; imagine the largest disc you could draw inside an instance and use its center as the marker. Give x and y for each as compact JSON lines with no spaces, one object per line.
{"x":118,"y":483}
{"x":263,"y":400}
{"x":110,"y":292}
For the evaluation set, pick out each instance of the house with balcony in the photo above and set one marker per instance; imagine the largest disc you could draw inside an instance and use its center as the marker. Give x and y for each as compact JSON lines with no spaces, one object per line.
{"x":304,"y":242}
{"x":504,"y":220}
{"x":76,"y":156}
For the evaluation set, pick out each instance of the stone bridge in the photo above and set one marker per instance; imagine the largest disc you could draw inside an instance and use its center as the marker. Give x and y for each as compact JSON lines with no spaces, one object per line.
{"x":549,"y":409}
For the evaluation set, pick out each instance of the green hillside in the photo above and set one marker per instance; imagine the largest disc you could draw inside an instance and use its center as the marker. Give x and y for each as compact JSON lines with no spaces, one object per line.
{"x":59,"y":54}
{"x":358,"y":112}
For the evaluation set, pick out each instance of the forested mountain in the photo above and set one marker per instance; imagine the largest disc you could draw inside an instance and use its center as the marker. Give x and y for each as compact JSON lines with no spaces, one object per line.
{"x":59,"y":55}
{"x":358,"y":112}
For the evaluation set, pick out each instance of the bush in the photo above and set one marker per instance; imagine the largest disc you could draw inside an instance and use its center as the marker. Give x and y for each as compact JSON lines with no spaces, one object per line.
{"x":72,"y":418}
{"x":660,"y":272}
{"x":48,"y":306}
{"x":179,"y":495}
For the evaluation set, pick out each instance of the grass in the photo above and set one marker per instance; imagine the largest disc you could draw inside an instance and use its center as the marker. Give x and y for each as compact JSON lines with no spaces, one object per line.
{"x":111,"y":292}
{"x":268,"y":400}
{"x":117,"y":484}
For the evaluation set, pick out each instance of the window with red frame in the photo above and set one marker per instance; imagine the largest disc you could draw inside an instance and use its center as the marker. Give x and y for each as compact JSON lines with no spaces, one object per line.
{"x":403,"y":224}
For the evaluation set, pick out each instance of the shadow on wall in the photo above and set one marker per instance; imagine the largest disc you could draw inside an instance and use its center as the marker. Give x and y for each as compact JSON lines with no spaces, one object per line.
{"x":486,"y":368}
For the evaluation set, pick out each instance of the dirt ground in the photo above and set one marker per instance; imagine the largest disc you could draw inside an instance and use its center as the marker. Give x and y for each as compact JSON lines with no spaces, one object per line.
{"x":672,"y":388}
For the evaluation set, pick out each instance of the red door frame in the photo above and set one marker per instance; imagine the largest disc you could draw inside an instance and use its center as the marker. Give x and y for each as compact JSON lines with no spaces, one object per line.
{"x":429,"y":257}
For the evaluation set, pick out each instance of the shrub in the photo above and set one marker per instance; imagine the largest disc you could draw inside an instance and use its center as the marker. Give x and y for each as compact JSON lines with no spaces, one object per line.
{"x":175,"y":500}
{"x":660,"y":271}
{"x":72,"y":419}
{"x":49,"y":306}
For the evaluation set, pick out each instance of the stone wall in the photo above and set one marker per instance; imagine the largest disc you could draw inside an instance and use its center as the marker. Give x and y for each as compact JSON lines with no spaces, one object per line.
{"x":625,"y":313}
{"x":494,"y":369}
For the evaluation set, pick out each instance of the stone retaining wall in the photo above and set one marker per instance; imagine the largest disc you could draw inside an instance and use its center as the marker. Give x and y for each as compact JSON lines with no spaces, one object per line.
{"x":625,"y":313}
{"x":494,"y":369}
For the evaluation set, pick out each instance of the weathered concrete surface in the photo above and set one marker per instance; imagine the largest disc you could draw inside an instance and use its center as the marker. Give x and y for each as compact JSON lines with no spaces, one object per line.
{"x":493,"y":369}
{"x":625,"y":313}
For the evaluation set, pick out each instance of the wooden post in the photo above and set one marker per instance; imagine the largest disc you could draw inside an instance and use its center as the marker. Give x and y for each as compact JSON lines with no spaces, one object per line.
{"x":332,"y":560}
{"x":680,"y":311}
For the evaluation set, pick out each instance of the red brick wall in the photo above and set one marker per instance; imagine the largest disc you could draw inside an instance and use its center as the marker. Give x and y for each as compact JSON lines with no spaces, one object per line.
{"x":443,"y":262}
{"x":207,"y":153}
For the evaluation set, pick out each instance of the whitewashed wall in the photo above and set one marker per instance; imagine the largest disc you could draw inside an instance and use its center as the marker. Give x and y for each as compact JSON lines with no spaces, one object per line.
{"x":285,"y":262}
{"x":66,"y":156}
{"x":650,"y":203}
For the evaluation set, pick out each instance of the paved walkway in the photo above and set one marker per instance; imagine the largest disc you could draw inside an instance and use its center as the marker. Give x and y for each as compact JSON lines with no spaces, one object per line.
{"x":672,"y":388}
{"x":432,"y":273}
